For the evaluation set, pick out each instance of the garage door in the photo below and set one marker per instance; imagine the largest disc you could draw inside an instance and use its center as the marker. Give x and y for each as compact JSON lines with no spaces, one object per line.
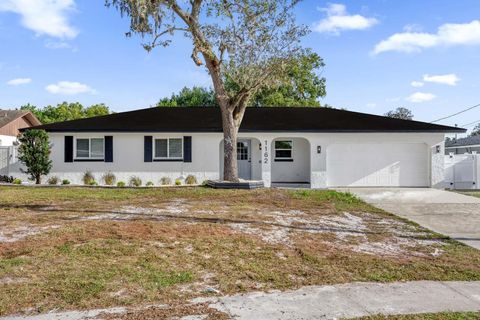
{"x":382,"y":165}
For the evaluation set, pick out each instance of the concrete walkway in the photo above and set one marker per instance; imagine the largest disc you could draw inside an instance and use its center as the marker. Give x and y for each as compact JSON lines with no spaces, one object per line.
{"x":449,"y":213}
{"x":330,"y":302}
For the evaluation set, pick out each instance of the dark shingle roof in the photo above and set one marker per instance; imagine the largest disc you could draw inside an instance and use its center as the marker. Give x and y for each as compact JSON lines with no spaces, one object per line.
{"x":208,"y":119}
{"x":468,"y":141}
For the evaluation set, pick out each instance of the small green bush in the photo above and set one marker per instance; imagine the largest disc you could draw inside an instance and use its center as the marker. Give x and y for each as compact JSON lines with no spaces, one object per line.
{"x":191,"y":179}
{"x":149,"y":184}
{"x":53,"y":180}
{"x":135,"y":181}
{"x":65,"y":182}
{"x":165,"y":181}
{"x":120,"y":184}
{"x":88,"y":178}
{"x":178,"y":182}
{"x":93,"y":183}
{"x":17,"y":181}
{"x":109,"y":178}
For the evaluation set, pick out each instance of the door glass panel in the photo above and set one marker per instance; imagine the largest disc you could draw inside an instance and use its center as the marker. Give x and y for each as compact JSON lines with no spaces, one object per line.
{"x":242,"y":151}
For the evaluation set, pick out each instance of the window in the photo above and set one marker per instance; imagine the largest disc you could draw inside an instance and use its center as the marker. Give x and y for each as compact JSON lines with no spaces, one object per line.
{"x":171,"y":148}
{"x":242,"y":151}
{"x":89,"y":148}
{"x":283,"y":149}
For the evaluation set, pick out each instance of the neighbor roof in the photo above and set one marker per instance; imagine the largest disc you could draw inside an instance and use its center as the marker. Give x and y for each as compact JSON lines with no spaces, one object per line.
{"x":463,"y":142}
{"x":256,"y":119}
{"x":7,"y":116}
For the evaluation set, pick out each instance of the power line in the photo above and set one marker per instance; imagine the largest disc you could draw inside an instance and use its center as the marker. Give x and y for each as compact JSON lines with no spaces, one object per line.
{"x":452,"y":115}
{"x":469,"y":124}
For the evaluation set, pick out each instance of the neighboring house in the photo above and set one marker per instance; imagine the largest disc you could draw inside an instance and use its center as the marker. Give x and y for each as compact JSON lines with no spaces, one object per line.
{"x":10,"y":123}
{"x":321,"y":147}
{"x":463,"y":145}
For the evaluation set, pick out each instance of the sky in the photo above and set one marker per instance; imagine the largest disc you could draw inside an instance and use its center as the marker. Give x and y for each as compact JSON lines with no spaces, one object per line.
{"x":379,"y":55}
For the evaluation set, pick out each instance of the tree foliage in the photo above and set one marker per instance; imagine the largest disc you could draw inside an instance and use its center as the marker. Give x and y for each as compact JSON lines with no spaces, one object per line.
{"x":476,"y":130}
{"x":194,"y":97}
{"x":66,"y":111}
{"x":400,"y":113}
{"x":246,"y":45}
{"x":303,"y":89}
{"x":34,"y":153}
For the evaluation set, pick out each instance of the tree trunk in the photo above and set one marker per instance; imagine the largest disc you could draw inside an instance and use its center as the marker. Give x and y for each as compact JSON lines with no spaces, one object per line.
{"x":38,"y":179}
{"x":230,"y":131}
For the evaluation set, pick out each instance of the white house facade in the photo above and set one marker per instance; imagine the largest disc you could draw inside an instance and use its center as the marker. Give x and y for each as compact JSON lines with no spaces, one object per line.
{"x":318,"y":147}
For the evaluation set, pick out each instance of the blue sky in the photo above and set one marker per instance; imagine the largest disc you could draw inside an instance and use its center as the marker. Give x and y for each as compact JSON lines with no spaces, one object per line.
{"x":379,"y":55}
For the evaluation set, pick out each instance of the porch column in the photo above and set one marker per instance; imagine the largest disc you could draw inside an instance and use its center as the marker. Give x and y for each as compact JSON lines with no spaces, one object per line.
{"x":266,"y":162}
{"x":318,"y":164}
{"x":437,"y":165}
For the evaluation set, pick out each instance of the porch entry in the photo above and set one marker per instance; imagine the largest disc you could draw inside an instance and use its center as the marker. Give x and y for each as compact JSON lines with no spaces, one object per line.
{"x":244,"y":159}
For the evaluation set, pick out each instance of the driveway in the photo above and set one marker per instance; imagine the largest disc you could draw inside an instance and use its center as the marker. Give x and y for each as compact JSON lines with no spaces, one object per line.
{"x":448,"y":213}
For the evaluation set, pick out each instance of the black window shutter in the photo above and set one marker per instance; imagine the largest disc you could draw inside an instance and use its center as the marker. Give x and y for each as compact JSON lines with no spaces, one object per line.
{"x":68,"y":148}
{"x":108,"y":149}
{"x":187,"y":149}
{"x":147,"y":149}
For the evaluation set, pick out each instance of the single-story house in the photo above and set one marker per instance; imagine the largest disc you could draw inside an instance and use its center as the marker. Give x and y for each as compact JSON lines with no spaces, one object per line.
{"x":321,"y":147}
{"x":11,"y":121}
{"x":463,"y":145}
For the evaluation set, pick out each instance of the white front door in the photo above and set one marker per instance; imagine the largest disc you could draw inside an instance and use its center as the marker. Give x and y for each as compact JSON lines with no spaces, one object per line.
{"x":244,"y":159}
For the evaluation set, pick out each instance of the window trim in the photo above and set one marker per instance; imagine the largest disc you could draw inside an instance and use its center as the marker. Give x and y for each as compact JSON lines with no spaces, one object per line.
{"x":89,"y":158}
{"x":167,"y":158}
{"x":284,"y":159}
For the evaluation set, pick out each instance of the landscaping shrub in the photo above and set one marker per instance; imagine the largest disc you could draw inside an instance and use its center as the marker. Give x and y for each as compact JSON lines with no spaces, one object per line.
{"x":65,"y":182}
{"x":178,"y":182}
{"x":135,"y":181}
{"x":17,"y":181}
{"x":120,"y":184}
{"x":109,"y":178}
{"x":53,"y":180}
{"x":6,"y":179}
{"x":93,"y":183}
{"x":190,"y":179}
{"x":88,"y":178}
{"x":165,"y":181}
{"x":149,"y":184}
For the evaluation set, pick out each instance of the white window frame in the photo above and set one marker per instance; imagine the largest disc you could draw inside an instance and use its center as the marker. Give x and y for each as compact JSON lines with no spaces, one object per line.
{"x":89,"y":148}
{"x":283,"y":149}
{"x":168,"y":148}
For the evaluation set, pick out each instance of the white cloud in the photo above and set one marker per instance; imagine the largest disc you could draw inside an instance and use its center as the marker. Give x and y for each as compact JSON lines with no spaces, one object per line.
{"x":417,"y":84}
{"x":19,"y":81}
{"x":448,"y":79}
{"x":449,"y":34}
{"x":419,"y":97}
{"x":45,"y":17}
{"x":69,"y":88}
{"x":338,"y":20}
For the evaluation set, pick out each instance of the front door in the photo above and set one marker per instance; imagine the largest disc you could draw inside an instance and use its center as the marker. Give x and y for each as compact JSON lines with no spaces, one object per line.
{"x":244,"y":159}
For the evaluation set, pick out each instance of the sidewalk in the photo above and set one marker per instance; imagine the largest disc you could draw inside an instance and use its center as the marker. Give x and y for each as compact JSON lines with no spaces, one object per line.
{"x":355,"y":300}
{"x":329,"y":302}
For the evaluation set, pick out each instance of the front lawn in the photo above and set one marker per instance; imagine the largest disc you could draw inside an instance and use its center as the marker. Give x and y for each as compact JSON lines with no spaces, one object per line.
{"x":82,"y":248}
{"x":473,"y":193}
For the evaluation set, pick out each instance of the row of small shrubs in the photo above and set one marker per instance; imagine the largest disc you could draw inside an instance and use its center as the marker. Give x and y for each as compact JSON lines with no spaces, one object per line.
{"x":109,"y":179}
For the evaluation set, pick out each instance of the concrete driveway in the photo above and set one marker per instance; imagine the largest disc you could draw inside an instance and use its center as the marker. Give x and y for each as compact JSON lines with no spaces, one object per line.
{"x":448,"y":213}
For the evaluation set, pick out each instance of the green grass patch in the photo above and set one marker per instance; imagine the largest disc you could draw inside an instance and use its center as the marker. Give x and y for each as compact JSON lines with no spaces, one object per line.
{"x":428,"y":316}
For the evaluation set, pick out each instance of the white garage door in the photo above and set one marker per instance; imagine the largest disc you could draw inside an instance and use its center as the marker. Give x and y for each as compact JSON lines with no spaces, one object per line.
{"x":382,"y":165}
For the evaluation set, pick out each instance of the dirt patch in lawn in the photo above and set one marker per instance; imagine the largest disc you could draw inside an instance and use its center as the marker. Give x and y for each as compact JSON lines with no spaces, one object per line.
{"x":99,"y":248}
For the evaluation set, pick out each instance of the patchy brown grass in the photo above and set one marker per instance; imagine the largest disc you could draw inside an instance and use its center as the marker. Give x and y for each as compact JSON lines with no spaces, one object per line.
{"x":82,"y":248}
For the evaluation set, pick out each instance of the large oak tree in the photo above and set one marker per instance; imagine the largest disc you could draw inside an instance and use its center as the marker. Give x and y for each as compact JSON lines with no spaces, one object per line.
{"x":248,"y":44}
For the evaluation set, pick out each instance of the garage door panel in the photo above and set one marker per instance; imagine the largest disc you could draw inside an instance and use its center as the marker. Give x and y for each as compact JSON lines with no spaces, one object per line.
{"x":359,"y":165}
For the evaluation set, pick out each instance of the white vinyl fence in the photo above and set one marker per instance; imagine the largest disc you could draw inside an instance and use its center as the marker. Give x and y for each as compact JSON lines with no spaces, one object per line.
{"x":462,"y":171}
{"x":8,"y":159}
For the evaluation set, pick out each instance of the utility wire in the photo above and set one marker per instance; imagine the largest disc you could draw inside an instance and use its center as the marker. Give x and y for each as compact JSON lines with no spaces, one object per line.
{"x":469,"y":124}
{"x":452,"y":115}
